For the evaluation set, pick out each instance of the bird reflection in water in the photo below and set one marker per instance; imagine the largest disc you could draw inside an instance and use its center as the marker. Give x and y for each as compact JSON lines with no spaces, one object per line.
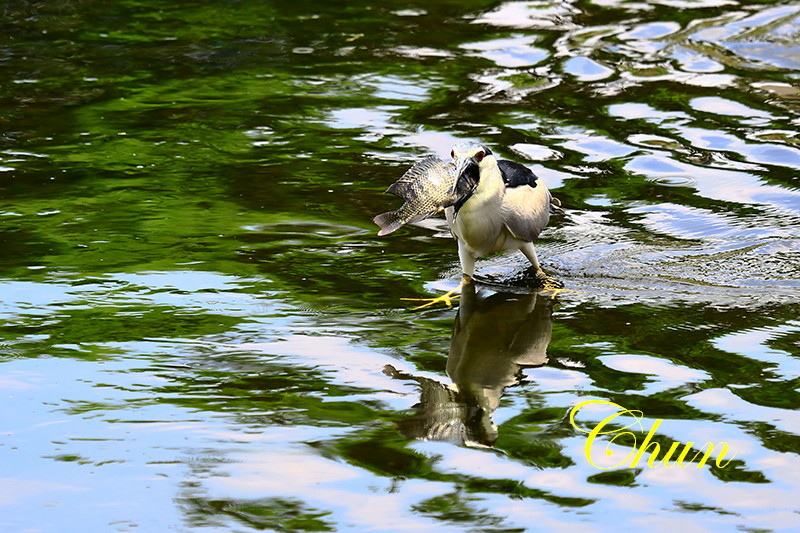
{"x":494,"y":338}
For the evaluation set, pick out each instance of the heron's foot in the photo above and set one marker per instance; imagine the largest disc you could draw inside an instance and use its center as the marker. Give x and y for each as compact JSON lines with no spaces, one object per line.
{"x":549,"y":283}
{"x":446,"y":299}
{"x":552,"y":287}
{"x":545,"y":284}
{"x":540,"y":276}
{"x":535,"y":278}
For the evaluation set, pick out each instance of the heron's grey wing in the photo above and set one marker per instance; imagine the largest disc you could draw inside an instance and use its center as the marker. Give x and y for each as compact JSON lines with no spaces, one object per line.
{"x":526,"y":211}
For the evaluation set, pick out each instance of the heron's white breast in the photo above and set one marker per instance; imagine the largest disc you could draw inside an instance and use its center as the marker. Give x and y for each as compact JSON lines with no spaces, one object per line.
{"x":479,"y":222}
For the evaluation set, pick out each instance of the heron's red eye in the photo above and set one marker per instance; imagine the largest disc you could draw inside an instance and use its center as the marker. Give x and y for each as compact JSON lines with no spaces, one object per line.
{"x":453,"y":154}
{"x":479,"y":156}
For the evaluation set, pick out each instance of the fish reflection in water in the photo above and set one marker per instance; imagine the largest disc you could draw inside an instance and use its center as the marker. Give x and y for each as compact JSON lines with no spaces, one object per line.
{"x":494,"y":338}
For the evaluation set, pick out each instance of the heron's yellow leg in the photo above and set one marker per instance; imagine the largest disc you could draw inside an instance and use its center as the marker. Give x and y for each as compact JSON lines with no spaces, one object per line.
{"x":446,"y":299}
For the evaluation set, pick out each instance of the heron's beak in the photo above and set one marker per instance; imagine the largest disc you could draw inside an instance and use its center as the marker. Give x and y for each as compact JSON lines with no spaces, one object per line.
{"x":462,"y":164}
{"x":467,"y":175}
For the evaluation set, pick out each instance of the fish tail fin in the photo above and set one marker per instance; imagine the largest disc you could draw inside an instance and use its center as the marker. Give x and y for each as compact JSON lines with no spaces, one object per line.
{"x":388,"y":222}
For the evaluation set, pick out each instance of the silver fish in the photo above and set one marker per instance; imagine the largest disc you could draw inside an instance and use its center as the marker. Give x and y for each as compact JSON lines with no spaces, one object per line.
{"x":427,"y":188}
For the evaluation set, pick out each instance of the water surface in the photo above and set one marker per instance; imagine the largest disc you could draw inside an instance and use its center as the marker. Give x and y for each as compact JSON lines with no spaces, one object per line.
{"x":200,"y":330}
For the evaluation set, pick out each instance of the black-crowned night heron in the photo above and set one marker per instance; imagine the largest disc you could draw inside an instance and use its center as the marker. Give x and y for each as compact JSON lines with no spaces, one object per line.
{"x":506,"y":210}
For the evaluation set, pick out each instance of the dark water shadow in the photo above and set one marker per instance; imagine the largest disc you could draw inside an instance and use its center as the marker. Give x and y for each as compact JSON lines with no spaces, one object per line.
{"x":495,"y":335}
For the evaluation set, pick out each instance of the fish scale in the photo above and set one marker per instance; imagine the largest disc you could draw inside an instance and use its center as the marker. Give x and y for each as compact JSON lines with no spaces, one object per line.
{"x":426,"y":188}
